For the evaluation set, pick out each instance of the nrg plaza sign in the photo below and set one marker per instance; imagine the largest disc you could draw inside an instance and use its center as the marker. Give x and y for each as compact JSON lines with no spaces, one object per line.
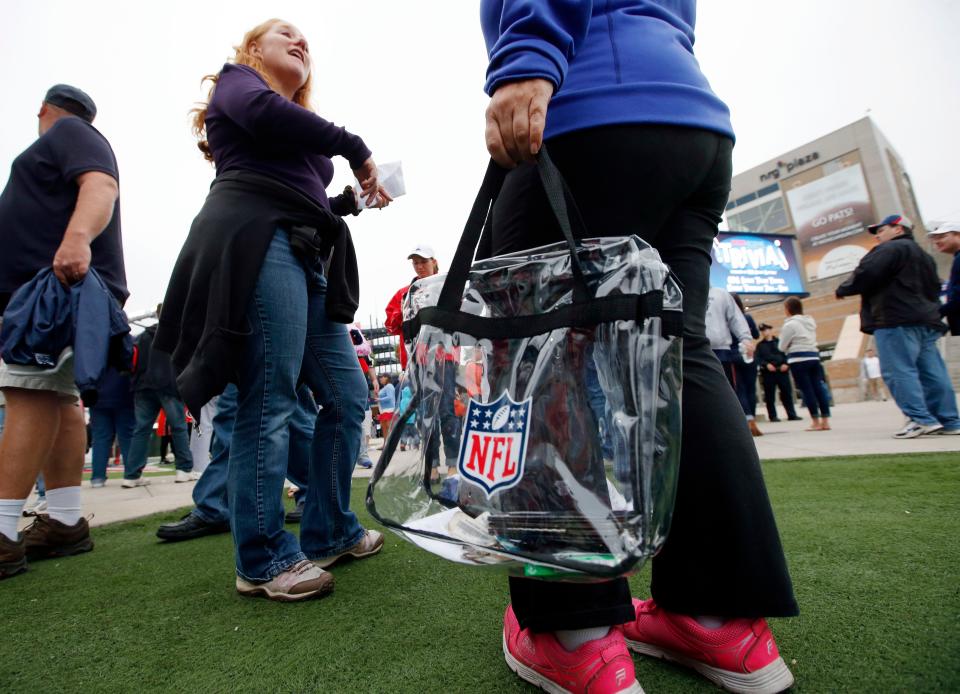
{"x":789,"y":166}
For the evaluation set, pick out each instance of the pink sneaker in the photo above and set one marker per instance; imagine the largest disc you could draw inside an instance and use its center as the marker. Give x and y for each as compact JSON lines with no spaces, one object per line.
{"x":603,"y":666}
{"x":740,"y":656}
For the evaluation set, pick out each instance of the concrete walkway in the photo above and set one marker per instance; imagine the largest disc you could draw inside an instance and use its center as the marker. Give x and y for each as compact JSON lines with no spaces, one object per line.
{"x":858,"y":429}
{"x":862,"y":428}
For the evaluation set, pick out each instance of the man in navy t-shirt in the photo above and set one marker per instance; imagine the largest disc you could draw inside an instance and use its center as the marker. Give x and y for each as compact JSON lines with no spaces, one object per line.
{"x":60,"y":208}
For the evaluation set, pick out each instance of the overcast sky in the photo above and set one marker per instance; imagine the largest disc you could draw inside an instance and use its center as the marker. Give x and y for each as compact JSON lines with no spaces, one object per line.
{"x":407,"y":76}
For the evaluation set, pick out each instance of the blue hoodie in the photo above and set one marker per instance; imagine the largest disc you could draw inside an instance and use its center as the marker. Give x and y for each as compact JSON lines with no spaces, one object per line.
{"x":611,"y":61}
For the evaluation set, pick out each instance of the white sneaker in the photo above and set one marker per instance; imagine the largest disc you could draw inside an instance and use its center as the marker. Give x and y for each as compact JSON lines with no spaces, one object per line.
{"x":914,"y":429}
{"x":139,"y":482}
{"x":949,"y":432}
{"x":186,"y":476}
{"x":299,"y":582}
{"x":170,"y":458}
{"x":36,"y":508}
{"x":96,"y":484}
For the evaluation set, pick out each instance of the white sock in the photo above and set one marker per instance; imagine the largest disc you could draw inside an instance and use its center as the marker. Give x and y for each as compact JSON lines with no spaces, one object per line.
{"x":709,"y":621}
{"x":572,"y":639}
{"x":64,"y":504}
{"x":10,"y":510}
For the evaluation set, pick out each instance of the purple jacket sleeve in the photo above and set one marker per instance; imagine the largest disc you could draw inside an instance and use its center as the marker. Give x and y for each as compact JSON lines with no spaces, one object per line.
{"x":243,"y":97}
{"x":537,"y":39}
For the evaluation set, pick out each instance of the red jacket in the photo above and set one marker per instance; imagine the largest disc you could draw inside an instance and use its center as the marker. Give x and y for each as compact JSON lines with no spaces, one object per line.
{"x":394,"y":322}
{"x":394,"y":326}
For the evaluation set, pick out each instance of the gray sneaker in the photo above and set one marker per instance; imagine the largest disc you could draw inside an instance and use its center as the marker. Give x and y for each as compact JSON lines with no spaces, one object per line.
{"x":301,"y":581}
{"x":370,"y":544}
{"x":914,"y":429}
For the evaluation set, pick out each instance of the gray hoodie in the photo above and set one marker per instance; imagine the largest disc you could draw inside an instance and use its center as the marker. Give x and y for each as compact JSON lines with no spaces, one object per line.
{"x":723,"y":319}
{"x":799,"y":334}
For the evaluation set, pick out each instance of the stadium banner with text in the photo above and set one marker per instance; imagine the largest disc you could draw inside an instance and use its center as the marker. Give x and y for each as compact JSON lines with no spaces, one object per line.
{"x":830,"y":206}
{"x":747,"y":263}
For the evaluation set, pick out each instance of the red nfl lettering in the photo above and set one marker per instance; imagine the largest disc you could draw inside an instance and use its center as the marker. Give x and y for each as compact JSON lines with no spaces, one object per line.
{"x":478,"y":455}
{"x":509,"y":466}
{"x":497,"y":446}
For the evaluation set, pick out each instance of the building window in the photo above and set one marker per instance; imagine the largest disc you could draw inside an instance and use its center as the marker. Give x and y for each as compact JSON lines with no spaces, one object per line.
{"x":766,"y":217}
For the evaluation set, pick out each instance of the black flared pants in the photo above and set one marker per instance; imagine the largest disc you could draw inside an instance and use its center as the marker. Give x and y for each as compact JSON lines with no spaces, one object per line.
{"x":668,"y":185}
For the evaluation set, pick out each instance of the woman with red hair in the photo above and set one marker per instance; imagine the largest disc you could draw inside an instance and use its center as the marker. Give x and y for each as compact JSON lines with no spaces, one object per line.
{"x":250,"y":302}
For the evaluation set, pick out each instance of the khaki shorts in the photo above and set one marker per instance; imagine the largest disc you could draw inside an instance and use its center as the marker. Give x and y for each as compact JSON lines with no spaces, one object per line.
{"x":58,"y":378}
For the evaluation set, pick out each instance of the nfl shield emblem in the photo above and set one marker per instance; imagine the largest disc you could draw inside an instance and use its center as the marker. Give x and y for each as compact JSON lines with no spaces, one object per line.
{"x":494,"y":443}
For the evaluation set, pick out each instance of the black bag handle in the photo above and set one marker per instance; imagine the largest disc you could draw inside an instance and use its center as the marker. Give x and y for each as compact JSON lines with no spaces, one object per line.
{"x":561,"y":201}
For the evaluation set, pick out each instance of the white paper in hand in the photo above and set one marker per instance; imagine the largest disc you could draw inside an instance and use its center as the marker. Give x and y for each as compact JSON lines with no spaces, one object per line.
{"x":391,"y":178}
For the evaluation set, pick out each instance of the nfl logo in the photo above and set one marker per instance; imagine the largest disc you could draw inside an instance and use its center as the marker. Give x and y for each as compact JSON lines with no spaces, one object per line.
{"x":494,"y":443}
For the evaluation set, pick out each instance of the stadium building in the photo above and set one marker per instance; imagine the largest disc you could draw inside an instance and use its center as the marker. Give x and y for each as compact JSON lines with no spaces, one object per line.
{"x":814,"y":203}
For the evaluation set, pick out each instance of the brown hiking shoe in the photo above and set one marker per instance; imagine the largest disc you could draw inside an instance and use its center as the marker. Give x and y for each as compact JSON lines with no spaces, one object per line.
{"x":13,"y":558}
{"x":301,"y":581}
{"x":51,"y":538}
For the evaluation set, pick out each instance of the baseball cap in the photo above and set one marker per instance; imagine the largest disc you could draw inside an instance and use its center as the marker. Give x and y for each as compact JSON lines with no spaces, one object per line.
{"x":764,"y":326}
{"x":71,"y":99}
{"x":945,"y":228}
{"x":423,"y":250}
{"x":889,"y":220}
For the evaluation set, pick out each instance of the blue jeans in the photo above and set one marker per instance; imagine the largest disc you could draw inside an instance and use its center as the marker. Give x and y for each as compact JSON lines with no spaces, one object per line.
{"x":107,"y":423}
{"x":809,"y":378}
{"x":449,"y":422}
{"x":210,"y":492}
{"x":146,"y":405}
{"x":598,"y":404}
{"x":292,"y":337}
{"x":916,"y":376}
{"x":447,"y":427}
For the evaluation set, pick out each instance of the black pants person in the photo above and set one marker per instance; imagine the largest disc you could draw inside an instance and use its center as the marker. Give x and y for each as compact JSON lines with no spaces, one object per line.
{"x":747,"y":386}
{"x":669,"y":186}
{"x":771,"y":382}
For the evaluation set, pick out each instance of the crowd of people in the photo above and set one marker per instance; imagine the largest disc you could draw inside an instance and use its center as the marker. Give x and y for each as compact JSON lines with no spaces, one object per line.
{"x":254,"y":330}
{"x":746,"y":350}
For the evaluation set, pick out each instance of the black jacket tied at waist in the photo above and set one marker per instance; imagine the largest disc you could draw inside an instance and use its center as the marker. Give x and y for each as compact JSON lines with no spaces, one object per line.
{"x":203,"y":323}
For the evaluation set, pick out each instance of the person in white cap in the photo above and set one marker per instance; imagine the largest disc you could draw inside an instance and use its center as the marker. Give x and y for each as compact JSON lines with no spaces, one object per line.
{"x":424,"y":265}
{"x":946,"y":238}
{"x":900,"y":306}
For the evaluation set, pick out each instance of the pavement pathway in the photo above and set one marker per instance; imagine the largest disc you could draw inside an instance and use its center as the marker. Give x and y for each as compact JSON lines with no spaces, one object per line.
{"x":862,"y":428}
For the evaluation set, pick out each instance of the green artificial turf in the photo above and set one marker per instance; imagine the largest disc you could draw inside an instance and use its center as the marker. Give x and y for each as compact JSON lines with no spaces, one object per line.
{"x":872,"y":544}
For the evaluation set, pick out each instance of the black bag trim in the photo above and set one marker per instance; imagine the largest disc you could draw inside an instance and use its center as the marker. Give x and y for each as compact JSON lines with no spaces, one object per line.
{"x":588,"y":314}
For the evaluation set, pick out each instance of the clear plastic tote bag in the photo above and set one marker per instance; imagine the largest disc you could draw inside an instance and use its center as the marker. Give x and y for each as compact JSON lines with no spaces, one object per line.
{"x":541,"y":426}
